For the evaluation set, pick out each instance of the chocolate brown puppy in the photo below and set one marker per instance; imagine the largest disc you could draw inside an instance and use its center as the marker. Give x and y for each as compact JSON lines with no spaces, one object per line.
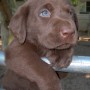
{"x":41,"y":28}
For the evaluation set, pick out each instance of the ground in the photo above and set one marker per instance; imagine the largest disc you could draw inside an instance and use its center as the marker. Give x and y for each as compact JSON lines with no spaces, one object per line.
{"x":76,"y":81}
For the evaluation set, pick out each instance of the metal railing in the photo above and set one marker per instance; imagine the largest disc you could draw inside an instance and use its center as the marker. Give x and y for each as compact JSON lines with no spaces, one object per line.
{"x":79,"y":64}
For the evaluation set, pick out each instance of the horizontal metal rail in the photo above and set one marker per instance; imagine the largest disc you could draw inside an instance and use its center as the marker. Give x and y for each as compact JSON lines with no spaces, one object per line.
{"x":79,"y":64}
{"x":2,"y":58}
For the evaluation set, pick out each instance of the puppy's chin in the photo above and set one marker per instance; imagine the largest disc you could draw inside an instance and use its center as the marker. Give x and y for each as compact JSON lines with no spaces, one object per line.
{"x":64,"y":46}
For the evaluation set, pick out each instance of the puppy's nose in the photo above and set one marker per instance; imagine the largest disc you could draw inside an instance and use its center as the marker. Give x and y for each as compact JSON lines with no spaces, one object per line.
{"x":66,"y":32}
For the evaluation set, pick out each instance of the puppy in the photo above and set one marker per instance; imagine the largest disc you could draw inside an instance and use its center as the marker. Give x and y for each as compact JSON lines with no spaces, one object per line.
{"x":41,"y":28}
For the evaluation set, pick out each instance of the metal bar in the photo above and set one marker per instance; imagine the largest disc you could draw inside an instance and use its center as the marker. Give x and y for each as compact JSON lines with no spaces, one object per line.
{"x":79,"y":64}
{"x":2,"y":58}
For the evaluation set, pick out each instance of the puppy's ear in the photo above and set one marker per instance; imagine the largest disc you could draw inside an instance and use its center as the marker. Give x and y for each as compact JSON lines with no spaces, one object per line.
{"x":18,"y":23}
{"x":75,"y":20}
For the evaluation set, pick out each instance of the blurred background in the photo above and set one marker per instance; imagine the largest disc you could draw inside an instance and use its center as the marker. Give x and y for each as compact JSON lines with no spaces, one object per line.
{"x":74,"y":81}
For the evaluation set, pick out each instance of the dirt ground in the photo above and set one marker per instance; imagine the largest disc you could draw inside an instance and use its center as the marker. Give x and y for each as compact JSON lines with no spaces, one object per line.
{"x":74,"y":81}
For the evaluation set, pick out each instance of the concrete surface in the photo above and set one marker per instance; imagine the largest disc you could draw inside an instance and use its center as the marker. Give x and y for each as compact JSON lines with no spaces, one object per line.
{"x":76,"y":82}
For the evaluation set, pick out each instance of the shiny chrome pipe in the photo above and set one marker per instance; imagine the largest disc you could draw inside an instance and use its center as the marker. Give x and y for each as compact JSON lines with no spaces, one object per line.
{"x":79,"y":64}
{"x":2,"y":58}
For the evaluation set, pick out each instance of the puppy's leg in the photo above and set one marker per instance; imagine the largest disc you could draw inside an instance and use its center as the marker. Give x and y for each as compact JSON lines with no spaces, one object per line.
{"x":12,"y":81}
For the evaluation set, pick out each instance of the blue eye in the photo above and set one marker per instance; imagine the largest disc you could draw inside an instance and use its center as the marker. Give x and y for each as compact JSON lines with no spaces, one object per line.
{"x":45,"y":13}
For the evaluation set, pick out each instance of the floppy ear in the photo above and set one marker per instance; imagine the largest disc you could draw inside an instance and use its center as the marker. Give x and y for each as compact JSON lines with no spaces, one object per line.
{"x":18,"y":23}
{"x":75,"y":20}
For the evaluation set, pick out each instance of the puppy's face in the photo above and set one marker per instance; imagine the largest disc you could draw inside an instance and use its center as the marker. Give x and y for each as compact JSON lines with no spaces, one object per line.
{"x":51,"y":23}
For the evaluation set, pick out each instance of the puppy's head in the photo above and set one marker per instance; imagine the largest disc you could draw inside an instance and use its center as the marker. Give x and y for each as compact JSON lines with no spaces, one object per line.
{"x":50,"y":23}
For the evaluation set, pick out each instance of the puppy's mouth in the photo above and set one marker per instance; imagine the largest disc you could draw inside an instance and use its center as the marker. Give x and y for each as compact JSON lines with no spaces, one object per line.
{"x":64,"y":46}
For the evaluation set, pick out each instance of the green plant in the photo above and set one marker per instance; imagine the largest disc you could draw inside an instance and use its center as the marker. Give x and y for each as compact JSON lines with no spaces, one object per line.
{"x":75,"y":2}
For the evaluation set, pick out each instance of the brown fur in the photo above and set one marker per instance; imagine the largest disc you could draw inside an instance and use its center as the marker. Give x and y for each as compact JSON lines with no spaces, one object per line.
{"x":52,"y":34}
